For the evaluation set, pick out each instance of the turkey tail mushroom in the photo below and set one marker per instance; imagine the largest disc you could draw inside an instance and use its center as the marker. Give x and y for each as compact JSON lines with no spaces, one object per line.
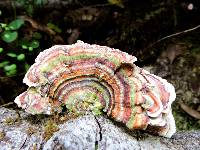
{"x":72,"y":74}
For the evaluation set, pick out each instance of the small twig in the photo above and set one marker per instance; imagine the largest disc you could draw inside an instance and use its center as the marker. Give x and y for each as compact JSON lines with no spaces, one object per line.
{"x":172,"y":35}
{"x":7,"y":104}
{"x":37,"y":25}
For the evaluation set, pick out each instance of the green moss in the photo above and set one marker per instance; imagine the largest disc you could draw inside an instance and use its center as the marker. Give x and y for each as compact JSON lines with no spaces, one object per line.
{"x":83,"y":101}
{"x":184,"y":121}
{"x":49,"y":128}
{"x":30,"y":131}
{"x":96,"y":108}
{"x":9,"y":121}
{"x":2,"y":135}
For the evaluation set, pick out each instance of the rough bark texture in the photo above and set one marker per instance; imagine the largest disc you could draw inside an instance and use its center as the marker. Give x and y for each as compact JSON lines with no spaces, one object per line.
{"x":87,"y":132}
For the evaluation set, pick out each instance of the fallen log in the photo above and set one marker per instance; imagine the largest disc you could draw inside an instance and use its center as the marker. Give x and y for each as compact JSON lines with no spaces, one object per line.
{"x":19,"y":130}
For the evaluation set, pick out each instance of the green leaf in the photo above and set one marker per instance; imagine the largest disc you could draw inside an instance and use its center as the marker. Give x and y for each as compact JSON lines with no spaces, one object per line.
{"x":54,"y":27}
{"x":16,"y":24}
{"x":21,"y":57}
{"x":27,"y":66}
{"x":10,"y":67}
{"x":1,"y":49}
{"x":30,"y":49}
{"x":34,"y":44}
{"x":7,"y":28}
{"x":24,"y":47}
{"x":12,"y":54}
{"x":3,"y":25}
{"x":4,"y":63}
{"x":23,"y":41}
{"x":9,"y":36}
{"x":11,"y":72}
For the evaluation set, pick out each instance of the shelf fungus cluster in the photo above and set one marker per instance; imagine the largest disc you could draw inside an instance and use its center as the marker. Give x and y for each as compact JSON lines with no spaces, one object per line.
{"x":99,"y":78}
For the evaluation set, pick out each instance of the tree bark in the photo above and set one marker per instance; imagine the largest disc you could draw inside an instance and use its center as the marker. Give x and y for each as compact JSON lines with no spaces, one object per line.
{"x":86,"y":132}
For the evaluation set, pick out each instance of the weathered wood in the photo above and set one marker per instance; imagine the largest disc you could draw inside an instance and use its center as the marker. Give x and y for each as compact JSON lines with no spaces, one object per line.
{"x":86,"y":132}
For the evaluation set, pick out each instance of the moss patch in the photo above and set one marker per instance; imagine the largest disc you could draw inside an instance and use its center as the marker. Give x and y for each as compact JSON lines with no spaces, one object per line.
{"x":49,"y":128}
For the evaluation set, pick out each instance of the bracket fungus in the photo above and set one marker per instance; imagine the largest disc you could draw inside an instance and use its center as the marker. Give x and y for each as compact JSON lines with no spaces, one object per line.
{"x":69,"y":75}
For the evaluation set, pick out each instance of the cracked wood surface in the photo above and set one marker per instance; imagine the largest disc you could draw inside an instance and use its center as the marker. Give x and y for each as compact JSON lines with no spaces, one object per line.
{"x":87,"y":132}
